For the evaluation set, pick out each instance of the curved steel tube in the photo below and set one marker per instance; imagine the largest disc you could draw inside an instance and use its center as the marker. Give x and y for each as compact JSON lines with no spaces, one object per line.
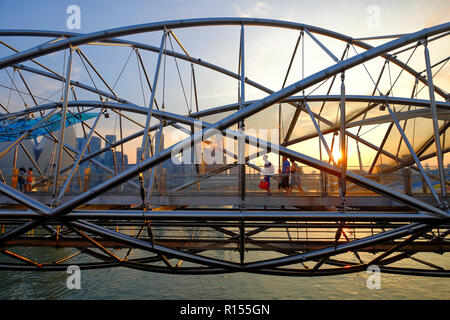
{"x":79,"y":39}
{"x":252,"y":108}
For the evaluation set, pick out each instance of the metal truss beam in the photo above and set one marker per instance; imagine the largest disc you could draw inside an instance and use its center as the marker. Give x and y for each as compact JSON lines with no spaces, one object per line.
{"x":78,"y":39}
{"x":418,"y":223}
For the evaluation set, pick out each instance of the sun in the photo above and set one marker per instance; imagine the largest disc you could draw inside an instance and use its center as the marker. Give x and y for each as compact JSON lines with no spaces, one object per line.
{"x":336,"y":154}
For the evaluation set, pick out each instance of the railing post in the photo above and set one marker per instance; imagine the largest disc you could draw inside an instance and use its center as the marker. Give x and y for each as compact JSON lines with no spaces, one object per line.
{"x":242,"y":241}
{"x":324,"y":182}
{"x":424,"y":185}
{"x":164,"y":178}
{"x":407,"y":180}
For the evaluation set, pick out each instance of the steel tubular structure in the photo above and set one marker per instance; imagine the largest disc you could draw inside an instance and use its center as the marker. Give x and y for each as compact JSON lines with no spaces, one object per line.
{"x":133,"y":219}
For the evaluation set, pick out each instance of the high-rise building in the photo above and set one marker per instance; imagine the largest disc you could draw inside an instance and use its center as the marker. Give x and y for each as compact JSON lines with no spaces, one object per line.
{"x":80,"y":143}
{"x":94,"y":146}
{"x":109,"y":156}
{"x":119,"y":159}
{"x":139,"y":151}
{"x":138,"y":154}
{"x":111,"y":138}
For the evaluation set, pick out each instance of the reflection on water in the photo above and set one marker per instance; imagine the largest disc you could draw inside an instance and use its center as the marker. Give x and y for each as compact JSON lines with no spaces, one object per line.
{"x":122,"y":283}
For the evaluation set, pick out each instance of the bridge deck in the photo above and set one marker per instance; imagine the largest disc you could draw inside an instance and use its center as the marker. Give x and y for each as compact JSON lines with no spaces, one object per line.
{"x":214,"y":199}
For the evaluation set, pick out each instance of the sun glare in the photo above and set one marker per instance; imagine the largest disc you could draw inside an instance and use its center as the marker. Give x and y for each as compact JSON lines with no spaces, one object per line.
{"x":336,"y":154}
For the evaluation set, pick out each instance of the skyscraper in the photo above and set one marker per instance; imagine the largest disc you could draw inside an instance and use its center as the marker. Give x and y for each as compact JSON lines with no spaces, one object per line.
{"x":138,"y":154}
{"x":111,"y":138}
{"x":94,"y":146}
{"x":109,"y":156}
{"x":121,"y":165}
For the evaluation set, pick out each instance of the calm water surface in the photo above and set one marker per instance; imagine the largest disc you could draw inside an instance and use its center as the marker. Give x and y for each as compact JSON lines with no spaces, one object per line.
{"x":123,"y":283}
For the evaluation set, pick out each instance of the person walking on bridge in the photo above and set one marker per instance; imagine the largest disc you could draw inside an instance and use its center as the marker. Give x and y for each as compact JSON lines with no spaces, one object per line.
{"x":21,"y":179}
{"x":296,"y":171}
{"x":285,"y":170}
{"x":268,"y":172}
{"x":29,"y":180}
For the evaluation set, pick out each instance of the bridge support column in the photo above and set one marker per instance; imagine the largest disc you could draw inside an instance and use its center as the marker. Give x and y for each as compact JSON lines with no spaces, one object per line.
{"x":241,"y":142}
{"x":62,"y":126}
{"x":342,"y":145}
{"x":437,"y":139}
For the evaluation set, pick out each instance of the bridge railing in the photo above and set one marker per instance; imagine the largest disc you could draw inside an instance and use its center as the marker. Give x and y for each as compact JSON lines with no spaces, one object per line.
{"x":313,"y":183}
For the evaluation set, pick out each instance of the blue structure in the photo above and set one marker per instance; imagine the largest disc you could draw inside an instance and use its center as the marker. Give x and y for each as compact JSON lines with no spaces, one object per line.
{"x":11,"y":130}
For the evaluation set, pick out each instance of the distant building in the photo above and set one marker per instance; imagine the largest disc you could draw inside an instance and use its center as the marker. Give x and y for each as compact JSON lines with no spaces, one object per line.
{"x":80,"y":143}
{"x":119,"y":159}
{"x":94,"y":145}
{"x":41,"y":152}
{"x":138,"y":154}
{"x":139,"y":151}
{"x":109,"y":156}
{"x":111,"y":138}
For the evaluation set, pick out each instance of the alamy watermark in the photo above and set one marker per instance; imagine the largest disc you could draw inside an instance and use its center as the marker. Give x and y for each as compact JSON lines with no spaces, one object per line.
{"x":74,"y":279}
{"x":374,"y":280}
{"x":74,"y":19}
{"x":374,"y":17}
{"x":214,"y":147}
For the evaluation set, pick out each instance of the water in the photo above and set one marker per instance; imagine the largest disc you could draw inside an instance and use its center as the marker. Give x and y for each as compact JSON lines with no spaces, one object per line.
{"x":122,"y":283}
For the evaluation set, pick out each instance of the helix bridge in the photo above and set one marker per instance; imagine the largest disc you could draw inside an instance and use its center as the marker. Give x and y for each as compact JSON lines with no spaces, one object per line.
{"x":364,"y":118}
